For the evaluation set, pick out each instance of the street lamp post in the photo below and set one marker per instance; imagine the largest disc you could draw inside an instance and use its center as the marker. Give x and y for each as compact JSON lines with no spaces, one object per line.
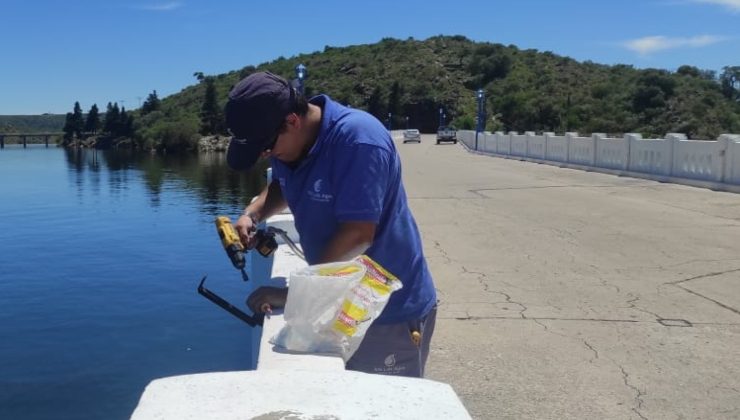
{"x":480,"y":123}
{"x":301,"y":74}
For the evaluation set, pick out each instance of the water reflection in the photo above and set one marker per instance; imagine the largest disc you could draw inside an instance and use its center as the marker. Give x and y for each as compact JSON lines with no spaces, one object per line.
{"x":205,"y":175}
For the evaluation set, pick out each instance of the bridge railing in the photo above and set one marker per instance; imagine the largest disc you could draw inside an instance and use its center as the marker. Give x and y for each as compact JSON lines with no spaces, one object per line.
{"x":674,"y":156}
{"x":22,"y":138}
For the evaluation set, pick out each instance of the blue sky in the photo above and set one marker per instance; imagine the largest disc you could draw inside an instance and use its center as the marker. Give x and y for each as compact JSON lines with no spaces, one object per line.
{"x":98,"y":51}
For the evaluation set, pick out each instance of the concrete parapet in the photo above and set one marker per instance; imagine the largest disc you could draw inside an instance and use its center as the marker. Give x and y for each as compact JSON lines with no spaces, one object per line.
{"x":731,"y":158}
{"x":672,"y":156}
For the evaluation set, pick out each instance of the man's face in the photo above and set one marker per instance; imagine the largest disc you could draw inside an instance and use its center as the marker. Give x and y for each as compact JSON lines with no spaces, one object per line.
{"x":288,"y":145}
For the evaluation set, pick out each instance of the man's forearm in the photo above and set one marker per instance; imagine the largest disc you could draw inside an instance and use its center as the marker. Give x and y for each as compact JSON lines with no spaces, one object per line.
{"x":350,"y":240}
{"x":269,"y":202}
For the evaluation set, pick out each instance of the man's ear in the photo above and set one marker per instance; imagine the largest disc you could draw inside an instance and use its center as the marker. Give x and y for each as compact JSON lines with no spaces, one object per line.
{"x":293,"y":120}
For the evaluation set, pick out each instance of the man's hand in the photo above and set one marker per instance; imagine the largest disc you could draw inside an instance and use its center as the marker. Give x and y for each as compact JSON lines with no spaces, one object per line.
{"x":267,"y":298}
{"x":246,"y":226}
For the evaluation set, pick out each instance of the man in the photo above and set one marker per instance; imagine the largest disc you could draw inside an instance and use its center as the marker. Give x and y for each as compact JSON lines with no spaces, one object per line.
{"x":339,"y":172}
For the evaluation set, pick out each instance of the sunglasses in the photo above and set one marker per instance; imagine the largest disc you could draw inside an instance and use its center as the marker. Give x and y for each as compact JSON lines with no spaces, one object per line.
{"x":271,"y":144}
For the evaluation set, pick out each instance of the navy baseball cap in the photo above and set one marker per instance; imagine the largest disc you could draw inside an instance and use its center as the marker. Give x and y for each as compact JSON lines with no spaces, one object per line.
{"x":255,"y":111}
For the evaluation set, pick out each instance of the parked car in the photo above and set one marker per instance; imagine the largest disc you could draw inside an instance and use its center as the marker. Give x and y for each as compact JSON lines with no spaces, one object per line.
{"x":446,"y":133}
{"x":411,"y":135}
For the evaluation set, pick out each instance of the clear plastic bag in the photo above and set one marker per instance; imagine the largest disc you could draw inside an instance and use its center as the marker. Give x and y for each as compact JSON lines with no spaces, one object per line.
{"x":331,"y":306}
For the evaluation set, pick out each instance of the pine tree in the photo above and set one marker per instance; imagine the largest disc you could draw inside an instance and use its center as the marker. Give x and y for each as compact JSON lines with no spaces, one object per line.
{"x":112,"y":119}
{"x":68,"y":129}
{"x":92,"y":124}
{"x":128,"y":126}
{"x":77,"y":121}
{"x":122,"y":123}
{"x":211,"y":120}
{"x":151,"y":104}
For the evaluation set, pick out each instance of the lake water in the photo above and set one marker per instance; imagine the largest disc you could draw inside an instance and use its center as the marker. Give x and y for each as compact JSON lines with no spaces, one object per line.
{"x":100,"y":258}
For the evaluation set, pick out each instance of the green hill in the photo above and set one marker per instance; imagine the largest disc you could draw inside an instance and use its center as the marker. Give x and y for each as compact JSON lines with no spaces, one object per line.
{"x":47,"y":123}
{"x":525,"y":90}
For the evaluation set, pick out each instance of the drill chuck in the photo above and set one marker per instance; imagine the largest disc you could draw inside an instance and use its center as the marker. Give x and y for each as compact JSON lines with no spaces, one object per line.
{"x":236,"y":255}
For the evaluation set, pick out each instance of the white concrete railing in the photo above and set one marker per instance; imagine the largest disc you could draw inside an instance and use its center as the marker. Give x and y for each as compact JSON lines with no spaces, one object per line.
{"x":674,"y":156}
{"x":287,"y":384}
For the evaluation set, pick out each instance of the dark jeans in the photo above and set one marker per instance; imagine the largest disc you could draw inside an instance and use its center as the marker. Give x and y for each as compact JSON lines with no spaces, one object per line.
{"x":391,"y":349}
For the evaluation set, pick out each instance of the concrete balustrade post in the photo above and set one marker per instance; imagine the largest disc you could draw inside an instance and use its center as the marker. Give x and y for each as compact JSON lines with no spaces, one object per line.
{"x":547,"y":134}
{"x":730,"y":168}
{"x":596,"y":138}
{"x":629,"y":138}
{"x":499,"y":139}
{"x":673,"y":138}
{"x":569,"y":136}
{"x":529,"y":135}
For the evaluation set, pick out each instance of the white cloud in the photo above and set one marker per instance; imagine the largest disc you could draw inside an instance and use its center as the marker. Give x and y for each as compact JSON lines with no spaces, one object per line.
{"x":652,"y":44}
{"x":733,"y":5}
{"x":161,"y":7}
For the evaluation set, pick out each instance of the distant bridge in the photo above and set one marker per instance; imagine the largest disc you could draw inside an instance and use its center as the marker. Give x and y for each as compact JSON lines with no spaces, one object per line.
{"x":23,"y":138}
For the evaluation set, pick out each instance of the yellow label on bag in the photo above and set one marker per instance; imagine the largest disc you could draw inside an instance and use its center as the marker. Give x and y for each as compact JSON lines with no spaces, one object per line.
{"x":338,"y":271}
{"x":373,"y":289}
{"x":349,"y":317}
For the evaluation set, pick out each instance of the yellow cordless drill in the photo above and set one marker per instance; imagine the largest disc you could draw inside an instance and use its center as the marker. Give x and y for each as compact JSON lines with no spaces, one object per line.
{"x":231,"y":242}
{"x":265,"y":243}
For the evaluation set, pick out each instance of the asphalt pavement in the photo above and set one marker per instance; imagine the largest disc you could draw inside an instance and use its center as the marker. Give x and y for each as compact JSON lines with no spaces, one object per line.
{"x":567,"y":294}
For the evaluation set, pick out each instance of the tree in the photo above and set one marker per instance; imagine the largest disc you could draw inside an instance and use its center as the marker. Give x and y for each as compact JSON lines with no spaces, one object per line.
{"x":689,"y":71}
{"x":122,"y":123}
{"x":112,"y":119}
{"x":374,"y":104}
{"x":92,"y":123}
{"x":77,"y":121}
{"x":730,"y":82}
{"x":68,"y":129}
{"x":151,"y":103}
{"x":211,"y":120}
{"x":394,"y":99}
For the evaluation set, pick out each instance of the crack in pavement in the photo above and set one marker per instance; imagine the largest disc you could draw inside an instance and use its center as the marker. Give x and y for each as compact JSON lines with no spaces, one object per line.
{"x":540,"y":187}
{"x":700,"y":261}
{"x":441,"y":250}
{"x":544,"y":318}
{"x":585,"y":343}
{"x":718,"y":273}
{"x":631,"y":302}
{"x":716,"y":302}
{"x":596,"y":352}
{"x":638,"y":398}
{"x":481,"y":279}
{"x":631,"y":321}
{"x":678,"y":284}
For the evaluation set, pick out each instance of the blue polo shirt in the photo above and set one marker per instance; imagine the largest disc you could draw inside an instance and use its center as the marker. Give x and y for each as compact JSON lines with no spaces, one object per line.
{"x":353,"y":174}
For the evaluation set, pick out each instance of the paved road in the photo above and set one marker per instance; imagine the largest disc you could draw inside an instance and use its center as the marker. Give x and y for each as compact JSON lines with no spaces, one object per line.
{"x":569,"y":294}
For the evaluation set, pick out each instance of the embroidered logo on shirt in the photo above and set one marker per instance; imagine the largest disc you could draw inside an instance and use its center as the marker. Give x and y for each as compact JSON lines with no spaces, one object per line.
{"x":390,"y":361}
{"x":317,"y":195}
{"x":390,"y":368}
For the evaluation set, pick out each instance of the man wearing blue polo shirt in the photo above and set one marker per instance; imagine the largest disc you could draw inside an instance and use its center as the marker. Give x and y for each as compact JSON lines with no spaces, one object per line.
{"x":338,"y":170}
